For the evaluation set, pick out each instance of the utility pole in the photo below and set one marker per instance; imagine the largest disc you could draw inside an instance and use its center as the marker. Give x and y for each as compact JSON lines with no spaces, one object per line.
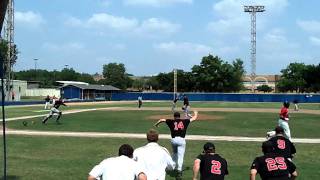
{"x":175,"y":83}
{"x":253,"y":10}
{"x":35,"y":68}
{"x":9,"y":37}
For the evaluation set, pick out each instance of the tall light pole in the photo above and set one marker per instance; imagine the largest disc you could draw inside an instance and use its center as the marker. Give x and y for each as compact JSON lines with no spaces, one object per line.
{"x":35,"y":68}
{"x":175,"y":84}
{"x":66,"y":66}
{"x":253,"y":10}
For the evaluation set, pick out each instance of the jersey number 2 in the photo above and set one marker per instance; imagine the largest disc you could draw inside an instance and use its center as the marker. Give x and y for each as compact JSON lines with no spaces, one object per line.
{"x":276,"y":163}
{"x":178,"y":126}
{"x":216,"y":166}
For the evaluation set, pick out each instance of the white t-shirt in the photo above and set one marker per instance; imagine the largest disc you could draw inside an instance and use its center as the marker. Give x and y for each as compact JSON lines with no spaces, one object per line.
{"x":154,"y":159}
{"x":115,"y":168}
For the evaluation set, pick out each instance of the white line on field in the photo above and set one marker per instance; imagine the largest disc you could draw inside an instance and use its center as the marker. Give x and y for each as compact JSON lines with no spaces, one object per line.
{"x":143,"y":136}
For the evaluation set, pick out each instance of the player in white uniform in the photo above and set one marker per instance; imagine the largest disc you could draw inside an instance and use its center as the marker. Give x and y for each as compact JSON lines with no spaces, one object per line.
{"x":178,"y":128}
{"x":153,"y":158}
{"x":115,"y":168}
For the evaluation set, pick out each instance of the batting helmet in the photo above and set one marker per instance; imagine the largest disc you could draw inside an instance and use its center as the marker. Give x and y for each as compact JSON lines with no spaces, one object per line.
{"x":286,"y":104}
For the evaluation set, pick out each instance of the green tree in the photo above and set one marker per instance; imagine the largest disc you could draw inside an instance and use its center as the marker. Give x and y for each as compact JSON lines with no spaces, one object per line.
{"x":139,"y":84}
{"x":215,"y":75}
{"x":292,"y":78}
{"x":153,"y":83}
{"x":264,"y":88}
{"x":311,"y":76}
{"x":115,"y":75}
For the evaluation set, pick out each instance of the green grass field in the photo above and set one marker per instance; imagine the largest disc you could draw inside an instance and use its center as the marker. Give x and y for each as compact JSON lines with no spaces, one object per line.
{"x":34,"y":157}
{"x":53,"y":158}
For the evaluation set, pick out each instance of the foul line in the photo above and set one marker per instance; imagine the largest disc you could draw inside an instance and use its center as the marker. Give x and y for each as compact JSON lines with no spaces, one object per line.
{"x":143,"y":136}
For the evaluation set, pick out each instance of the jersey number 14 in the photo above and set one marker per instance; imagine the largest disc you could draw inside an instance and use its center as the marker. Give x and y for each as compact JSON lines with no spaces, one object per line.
{"x":178,"y":126}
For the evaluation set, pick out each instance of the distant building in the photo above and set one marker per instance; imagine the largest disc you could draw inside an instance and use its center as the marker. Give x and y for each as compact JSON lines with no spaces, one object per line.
{"x":88,"y":92}
{"x":18,"y":89}
{"x":269,"y":80}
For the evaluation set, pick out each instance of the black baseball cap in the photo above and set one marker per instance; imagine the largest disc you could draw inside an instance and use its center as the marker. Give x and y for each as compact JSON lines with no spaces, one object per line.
{"x":176,"y":114}
{"x":208,"y":146}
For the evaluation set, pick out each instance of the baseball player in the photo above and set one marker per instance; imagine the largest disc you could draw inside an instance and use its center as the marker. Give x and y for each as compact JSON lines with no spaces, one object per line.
{"x":296,"y":105}
{"x":211,"y":165}
{"x":186,"y":106}
{"x":282,"y":145}
{"x":174,"y":103}
{"x":139,"y":101}
{"x":55,"y":110}
{"x":272,"y":165}
{"x":284,"y":119}
{"x":122,"y":167}
{"x":153,"y":158}
{"x":47,"y":101}
{"x":178,"y":128}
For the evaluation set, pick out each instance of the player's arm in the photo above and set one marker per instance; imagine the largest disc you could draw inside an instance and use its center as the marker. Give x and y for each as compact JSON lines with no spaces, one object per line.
{"x":196,"y":167}
{"x":160,"y":121}
{"x":253,"y":173}
{"x":91,"y":177}
{"x":294,"y":175}
{"x":195,"y":116}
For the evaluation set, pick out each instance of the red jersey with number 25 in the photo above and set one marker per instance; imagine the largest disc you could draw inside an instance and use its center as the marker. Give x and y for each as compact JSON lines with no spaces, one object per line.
{"x":273,"y":166}
{"x":212,"y":167}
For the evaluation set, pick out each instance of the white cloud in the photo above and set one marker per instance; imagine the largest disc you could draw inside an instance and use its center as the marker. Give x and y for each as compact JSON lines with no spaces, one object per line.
{"x":104,"y":23}
{"x":311,"y":26}
{"x":183,"y":48}
{"x":315,"y":40}
{"x":29,"y":19}
{"x":103,"y":20}
{"x":69,"y":46}
{"x":156,"y":3}
{"x":155,"y":25}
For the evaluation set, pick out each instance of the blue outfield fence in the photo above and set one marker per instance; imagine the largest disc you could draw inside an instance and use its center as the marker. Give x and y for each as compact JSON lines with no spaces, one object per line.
{"x":168,"y":96}
{"x":301,"y":98}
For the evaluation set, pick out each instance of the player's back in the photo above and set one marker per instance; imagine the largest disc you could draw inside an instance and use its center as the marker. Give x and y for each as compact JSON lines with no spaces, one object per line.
{"x":212,"y":167}
{"x":178,"y":127}
{"x":273,"y":166}
{"x":283,"y":146}
{"x":154,"y":159}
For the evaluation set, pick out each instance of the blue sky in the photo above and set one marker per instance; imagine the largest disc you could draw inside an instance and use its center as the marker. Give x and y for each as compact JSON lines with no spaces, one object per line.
{"x":152,"y":36}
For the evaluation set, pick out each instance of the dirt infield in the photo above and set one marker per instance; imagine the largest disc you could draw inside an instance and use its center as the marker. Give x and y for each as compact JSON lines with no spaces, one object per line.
{"x":202,"y":117}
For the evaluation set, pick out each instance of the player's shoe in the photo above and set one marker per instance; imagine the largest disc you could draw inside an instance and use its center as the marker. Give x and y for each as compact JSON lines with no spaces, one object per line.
{"x":179,"y":175}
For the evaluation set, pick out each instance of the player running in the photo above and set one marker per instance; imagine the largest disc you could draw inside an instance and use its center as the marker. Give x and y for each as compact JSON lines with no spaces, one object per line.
{"x":272,"y":165}
{"x":178,"y":128}
{"x":54,"y":110}
{"x":282,"y":145}
{"x":284,"y":119}
{"x":211,"y":165}
{"x":174,"y":102}
{"x":186,"y":106}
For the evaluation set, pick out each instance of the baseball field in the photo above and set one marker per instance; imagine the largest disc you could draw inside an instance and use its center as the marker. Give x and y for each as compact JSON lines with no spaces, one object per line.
{"x":93,"y":131}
